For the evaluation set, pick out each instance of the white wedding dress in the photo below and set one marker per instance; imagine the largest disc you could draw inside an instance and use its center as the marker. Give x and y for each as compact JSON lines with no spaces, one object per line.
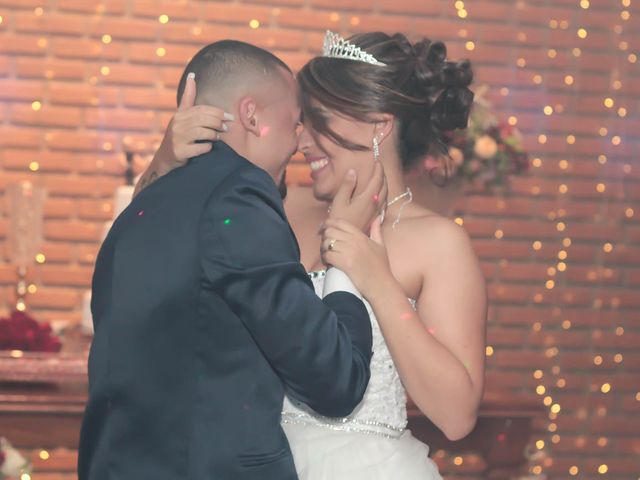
{"x":370,"y":444}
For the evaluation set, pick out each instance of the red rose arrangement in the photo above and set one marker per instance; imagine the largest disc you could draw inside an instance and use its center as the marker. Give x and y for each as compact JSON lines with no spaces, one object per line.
{"x":21,"y":332}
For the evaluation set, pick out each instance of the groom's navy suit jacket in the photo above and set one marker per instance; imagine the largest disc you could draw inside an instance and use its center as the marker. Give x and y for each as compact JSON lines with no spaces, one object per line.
{"x":203,"y":318}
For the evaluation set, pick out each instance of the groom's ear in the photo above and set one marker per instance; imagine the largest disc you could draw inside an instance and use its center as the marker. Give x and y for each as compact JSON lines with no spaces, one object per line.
{"x":248,"y":115}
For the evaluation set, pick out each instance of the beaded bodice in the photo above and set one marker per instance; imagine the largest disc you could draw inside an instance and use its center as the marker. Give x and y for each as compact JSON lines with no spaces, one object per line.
{"x":383,"y":408}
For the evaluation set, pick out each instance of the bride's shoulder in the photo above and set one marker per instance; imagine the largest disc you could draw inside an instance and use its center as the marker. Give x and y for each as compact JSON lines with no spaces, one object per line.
{"x":436,"y":233}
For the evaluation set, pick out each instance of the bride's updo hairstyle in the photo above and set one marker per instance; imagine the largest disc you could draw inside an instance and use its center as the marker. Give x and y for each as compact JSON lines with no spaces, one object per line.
{"x":427,"y":94}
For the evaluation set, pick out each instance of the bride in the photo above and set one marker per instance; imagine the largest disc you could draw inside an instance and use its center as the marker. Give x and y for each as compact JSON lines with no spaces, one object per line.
{"x":379,"y":98}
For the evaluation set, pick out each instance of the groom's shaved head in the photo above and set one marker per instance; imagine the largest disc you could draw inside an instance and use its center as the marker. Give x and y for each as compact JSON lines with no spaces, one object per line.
{"x":229,"y":68}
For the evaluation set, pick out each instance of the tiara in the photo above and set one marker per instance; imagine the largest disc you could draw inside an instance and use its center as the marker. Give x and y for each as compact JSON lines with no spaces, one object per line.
{"x":337,"y":47}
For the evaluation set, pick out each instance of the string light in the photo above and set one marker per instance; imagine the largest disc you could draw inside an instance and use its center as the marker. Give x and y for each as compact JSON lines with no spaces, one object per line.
{"x":563,"y":188}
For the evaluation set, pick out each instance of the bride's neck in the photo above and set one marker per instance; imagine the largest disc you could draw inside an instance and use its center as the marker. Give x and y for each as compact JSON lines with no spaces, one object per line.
{"x":395,"y":176}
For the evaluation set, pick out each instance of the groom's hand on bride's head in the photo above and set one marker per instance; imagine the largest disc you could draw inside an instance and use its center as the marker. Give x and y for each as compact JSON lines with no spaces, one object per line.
{"x":360,"y":209}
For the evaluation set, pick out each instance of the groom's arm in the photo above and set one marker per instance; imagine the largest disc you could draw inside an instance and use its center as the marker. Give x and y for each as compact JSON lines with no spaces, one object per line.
{"x":320,"y":349}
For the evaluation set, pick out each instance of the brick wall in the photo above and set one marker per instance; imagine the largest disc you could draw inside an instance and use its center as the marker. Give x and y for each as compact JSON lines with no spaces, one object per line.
{"x":81,"y":80}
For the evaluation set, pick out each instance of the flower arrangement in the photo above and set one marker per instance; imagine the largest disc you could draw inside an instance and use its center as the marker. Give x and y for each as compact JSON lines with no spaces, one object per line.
{"x":21,"y":332}
{"x":487,"y":151}
{"x":12,"y":464}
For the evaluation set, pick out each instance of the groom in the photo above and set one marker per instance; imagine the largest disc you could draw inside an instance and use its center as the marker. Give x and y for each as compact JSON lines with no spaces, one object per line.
{"x":203,"y":314}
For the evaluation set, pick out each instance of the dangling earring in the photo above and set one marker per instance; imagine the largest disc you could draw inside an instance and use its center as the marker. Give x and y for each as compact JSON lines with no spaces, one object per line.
{"x":376,"y":149}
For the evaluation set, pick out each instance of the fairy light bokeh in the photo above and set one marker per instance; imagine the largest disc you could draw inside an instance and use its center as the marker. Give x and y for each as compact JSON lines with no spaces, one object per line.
{"x":568,"y":81}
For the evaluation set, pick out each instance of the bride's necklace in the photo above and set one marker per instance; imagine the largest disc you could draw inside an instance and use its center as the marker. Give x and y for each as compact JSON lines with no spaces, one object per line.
{"x":409,"y":199}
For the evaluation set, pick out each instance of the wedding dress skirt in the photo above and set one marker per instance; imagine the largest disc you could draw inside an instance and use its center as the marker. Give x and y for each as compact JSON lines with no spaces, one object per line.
{"x":370,"y":444}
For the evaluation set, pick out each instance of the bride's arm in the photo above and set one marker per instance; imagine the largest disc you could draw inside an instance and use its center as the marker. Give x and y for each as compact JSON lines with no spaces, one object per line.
{"x":438,"y":350}
{"x":190,"y":133}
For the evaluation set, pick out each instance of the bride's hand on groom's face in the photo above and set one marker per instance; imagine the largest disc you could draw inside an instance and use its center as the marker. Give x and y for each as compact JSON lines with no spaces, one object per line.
{"x":360,"y":209}
{"x":363,"y":258}
{"x":191,"y":129}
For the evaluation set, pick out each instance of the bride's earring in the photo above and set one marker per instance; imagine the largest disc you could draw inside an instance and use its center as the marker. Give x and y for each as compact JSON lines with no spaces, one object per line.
{"x":376,"y":149}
